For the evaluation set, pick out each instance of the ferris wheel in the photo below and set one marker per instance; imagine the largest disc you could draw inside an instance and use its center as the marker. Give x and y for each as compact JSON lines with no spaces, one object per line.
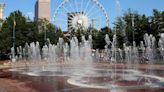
{"x":74,"y":14}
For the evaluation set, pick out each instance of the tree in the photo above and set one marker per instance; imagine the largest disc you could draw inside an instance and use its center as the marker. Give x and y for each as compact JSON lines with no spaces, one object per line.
{"x":131,"y":27}
{"x":25,"y":31}
{"x":99,"y":36}
{"x":119,"y":30}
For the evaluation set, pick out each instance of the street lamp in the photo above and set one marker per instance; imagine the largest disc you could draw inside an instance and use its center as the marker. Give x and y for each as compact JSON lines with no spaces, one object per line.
{"x":45,"y":33}
{"x":45,"y":23}
{"x":13,"y":48}
{"x":133,"y":28}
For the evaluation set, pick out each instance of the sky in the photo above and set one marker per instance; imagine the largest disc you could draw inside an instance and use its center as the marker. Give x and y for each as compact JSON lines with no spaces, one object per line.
{"x":113,"y":8}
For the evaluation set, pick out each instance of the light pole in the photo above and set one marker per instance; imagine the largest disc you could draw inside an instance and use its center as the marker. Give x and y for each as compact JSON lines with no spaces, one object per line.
{"x":45,"y":33}
{"x":13,"y":52}
{"x":45,"y":23}
{"x":133,"y":28}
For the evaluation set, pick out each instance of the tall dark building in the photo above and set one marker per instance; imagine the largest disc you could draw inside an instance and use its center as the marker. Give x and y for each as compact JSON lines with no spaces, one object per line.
{"x":1,"y":10}
{"x":36,"y":11}
{"x":42,"y":9}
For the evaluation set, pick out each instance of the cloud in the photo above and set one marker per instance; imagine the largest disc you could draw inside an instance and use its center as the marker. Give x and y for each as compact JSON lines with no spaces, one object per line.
{"x":4,"y":17}
{"x":119,"y":9}
{"x":30,"y":15}
{"x":52,"y":19}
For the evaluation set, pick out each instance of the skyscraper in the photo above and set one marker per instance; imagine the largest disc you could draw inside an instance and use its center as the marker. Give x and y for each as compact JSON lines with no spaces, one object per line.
{"x":42,"y":9}
{"x":1,"y":10}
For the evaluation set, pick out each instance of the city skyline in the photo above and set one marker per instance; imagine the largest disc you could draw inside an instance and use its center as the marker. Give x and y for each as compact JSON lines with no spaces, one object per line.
{"x":111,"y":6}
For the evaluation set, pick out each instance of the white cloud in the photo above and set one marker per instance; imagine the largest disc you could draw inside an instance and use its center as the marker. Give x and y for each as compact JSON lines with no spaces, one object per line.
{"x":30,"y":15}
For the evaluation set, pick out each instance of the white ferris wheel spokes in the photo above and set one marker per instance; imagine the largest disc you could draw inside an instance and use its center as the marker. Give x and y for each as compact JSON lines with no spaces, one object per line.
{"x":74,"y":14}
